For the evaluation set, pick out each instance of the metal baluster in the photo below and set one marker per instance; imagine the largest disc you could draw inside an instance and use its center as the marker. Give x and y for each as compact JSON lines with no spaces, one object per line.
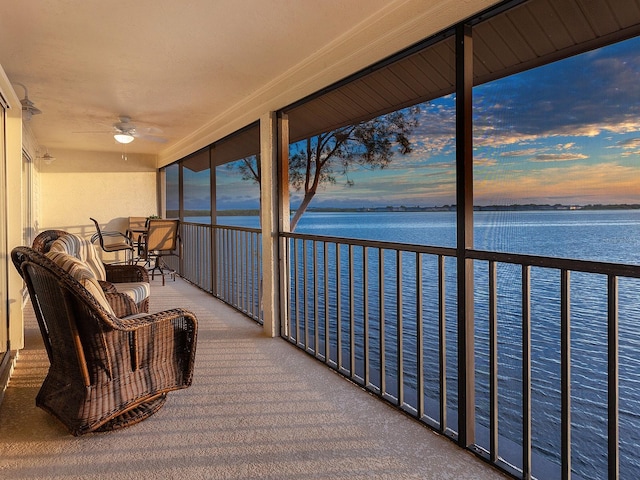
{"x":493,"y":360}
{"x":305,"y":291}
{"x":442,"y":347}
{"x":419,"y":338}
{"x":399,"y":331}
{"x":365,"y":312}
{"x":327,"y":336}
{"x":526,"y":372}
{"x":338,"y":307}
{"x":565,"y":374}
{"x":352,"y":317}
{"x":613,"y":370}
{"x":383,"y":368}
{"x":296,"y":284}
{"x":316,"y":333}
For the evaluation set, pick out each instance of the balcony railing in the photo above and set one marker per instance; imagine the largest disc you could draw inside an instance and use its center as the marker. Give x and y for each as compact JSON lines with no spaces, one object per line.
{"x":225,"y":261}
{"x":556,"y":370}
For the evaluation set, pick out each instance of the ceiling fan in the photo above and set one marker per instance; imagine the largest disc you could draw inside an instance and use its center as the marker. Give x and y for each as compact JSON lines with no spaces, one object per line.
{"x":124,"y":131}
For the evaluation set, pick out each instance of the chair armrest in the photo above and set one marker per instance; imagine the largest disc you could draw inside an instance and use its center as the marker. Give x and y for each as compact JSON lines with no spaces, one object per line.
{"x":160,"y":348}
{"x":43,"y":241}
{"x":110,"y":233}
{"x":173,"y":332}
{"x":121,"y":303}
{"x":143,"y":320}
{"x":126,"y":273}
{"x":107,"y":287}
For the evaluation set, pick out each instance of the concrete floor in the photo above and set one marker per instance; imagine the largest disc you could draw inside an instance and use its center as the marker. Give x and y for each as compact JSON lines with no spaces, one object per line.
{"x":258,"y":409}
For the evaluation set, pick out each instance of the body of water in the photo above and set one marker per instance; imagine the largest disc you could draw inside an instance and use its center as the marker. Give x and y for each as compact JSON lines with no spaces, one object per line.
{"x":601,"y":235}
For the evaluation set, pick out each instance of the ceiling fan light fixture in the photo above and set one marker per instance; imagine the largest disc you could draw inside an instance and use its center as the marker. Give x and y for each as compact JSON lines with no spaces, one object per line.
{"x":123,"y":138}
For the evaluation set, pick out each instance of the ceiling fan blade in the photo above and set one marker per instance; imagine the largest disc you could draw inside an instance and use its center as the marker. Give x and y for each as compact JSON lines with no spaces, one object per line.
{"x":94,"y":131}
{"x":150,"y":138}
{"x":126,"y":127}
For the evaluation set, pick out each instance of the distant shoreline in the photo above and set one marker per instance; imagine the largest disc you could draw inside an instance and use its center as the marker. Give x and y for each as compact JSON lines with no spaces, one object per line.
{"x":443,"y":208}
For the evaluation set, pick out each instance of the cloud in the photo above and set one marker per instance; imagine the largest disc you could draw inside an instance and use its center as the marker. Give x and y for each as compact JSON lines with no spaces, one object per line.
{"x":442,"y":165}
{"x":629,"y":143}
{"x":519,"y":153}
{"x":565,"y":146}
{"x":428,"y":184}
{"x":484,"y":162}
{"x":602,"y":183}
{"x":558,"y":157}
{"x":429,"y":145}
{"x":583,"y":95}
{"x":499,"y":139}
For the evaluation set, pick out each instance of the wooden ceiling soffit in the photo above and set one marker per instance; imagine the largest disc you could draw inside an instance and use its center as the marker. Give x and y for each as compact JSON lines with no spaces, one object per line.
{"x":198,"y":161}
{"x":242,"y":144}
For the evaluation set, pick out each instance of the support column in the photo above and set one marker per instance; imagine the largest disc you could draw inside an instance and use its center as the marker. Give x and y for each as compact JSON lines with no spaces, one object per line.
{"x":269,"y":222}
{"x":464,"y":212}
{"x":285,"y":219}
{"x":161,"y":188}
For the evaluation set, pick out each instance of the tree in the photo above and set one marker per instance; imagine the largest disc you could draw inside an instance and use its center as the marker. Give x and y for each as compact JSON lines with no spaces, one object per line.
{"x":320,"y":159}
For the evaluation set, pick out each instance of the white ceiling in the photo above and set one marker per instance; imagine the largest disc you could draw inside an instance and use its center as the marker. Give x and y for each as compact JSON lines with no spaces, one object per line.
{"x":168,"y":64}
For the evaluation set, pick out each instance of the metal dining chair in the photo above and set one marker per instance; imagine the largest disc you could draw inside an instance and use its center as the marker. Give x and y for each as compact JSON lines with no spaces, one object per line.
{"x":113,"y":241}
{"x":135,"y":232}
{"x":162,"y":239}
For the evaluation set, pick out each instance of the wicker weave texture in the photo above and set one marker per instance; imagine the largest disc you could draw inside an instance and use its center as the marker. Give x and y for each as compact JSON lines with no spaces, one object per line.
{"x":105,"y":372}
{"x":120,"y":303}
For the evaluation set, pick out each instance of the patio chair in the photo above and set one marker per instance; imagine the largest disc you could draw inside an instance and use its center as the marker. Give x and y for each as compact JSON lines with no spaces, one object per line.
{"x":162,"y":239}
{"x":113,"y":241}
{"x":105,"y":372}
{"x":135,"y":232}
{"x":119,"y":282}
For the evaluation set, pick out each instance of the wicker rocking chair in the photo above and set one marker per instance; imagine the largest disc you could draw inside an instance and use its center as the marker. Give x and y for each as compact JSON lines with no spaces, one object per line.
{"x":105,"y":372}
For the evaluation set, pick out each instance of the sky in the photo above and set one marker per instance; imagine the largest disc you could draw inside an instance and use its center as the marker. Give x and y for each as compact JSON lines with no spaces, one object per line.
{"x":567,"y":132}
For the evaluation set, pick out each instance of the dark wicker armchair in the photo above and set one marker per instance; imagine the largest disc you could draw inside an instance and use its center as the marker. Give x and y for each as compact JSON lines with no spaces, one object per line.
{"x":106,"y":372}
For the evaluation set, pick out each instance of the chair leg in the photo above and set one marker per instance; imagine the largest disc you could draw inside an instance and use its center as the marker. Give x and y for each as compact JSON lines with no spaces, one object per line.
{"x":156,"y":266}
{"x":162,"y":268}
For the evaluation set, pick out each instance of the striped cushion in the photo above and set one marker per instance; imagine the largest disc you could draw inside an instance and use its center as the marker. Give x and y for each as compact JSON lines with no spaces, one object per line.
{"x":82,"y":249}
{"x":139,"y":291}
{"x":82,"y":274}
